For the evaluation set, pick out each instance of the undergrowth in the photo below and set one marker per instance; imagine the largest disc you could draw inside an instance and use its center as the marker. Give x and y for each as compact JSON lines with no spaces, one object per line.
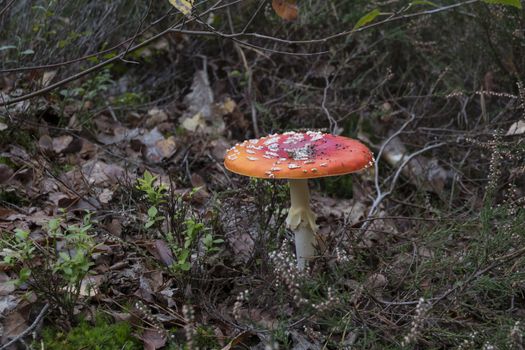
{"x":203,"y":255}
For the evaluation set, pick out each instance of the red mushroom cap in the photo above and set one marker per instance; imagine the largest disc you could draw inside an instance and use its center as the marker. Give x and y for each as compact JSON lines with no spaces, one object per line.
{"x":298,"y":155}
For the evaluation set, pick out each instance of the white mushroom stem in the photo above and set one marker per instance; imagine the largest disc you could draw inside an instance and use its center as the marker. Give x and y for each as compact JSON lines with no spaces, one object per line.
{"x":301,"y":220}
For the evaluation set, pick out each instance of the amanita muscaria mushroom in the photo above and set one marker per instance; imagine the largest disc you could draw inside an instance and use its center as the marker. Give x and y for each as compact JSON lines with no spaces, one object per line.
{"x":299,"y":156}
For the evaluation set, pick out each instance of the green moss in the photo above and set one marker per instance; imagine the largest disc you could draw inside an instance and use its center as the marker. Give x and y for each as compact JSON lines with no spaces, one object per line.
{"x":101,"y":336}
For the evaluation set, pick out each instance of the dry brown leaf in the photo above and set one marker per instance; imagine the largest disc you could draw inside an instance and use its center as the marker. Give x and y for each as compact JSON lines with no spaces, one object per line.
{"x":302,"y":342}
{"x":39,"y":218}
{"x":155,"y":117}
{"x":45,"y":143}
{"x":7,"y":304}
{"x":114,"y":227}
{"x":242,"y":246}
{"x":47,"y":77}
{"x":286,"y":9}
{"x":89,"y":286}
{"x":517,"y":128}
{"x":153,"y":339}
{"x":98,"y":172}
{"x":202,"y":113}
{"x":13,"y":324}
{"x":422,"y":172}
{"x":376,"y":281}
{"x":166,"y":147}
{"x":6,"y":213}
{"x":62,"y":200}
{"x":164,"y":252}
{"x":228,"y":105}
{"x":66,"y":144}
{"x":219,"y":148}
{"x":237,"y":340}
{"x":194,"y":123}
{"x":106,"y":196}
{"x":157,"y":147}
{"x":5,"y":173}
{"x":6,"y":284}
{"x":200,"y":98}
{"x":117,"y":134}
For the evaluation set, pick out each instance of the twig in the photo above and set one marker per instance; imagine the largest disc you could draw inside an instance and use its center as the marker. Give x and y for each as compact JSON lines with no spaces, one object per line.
{"x":383,"y":195}
{"x":28,"y":329}
{"x":382,"y":149}
{"x":340,"y":34}
{"x":6,"y":7}
{"x":136,"y":35}
{"x":332,"y":122}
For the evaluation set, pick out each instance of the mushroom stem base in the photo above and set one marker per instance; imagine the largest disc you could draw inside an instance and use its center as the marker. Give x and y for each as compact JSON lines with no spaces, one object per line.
{"x":301,"y":220}
{"x":304,"y":244}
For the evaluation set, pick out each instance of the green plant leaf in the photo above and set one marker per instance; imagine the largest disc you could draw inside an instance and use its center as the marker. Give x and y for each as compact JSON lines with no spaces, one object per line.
{"x":21,"y":235}
{"x":514,"y":3}
{"x":369,"y":17}
{"x":152,"y":212}
{"x":185,"y":266}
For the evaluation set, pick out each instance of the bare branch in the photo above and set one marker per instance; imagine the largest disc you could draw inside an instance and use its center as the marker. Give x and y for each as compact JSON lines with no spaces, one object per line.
{"x":28,"y":329}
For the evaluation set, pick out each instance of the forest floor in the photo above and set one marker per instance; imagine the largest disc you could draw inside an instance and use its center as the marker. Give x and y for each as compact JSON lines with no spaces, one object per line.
{"x":122,"y":229}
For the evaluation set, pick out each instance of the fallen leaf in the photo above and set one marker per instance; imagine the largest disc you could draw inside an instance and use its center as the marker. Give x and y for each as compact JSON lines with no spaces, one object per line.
{"x":184,"y":6}
{"x":227,"y":106}
{"x":5,"y":213}
{"x":242,"y":246}
{"x":155,"y":117}
{"x":6,"y":284}
{"x":166,"y":147}
{"x":119,"y":134}
{"x":62,"y":200}
{"x":422,"y":172}
{"x":517,"y":128}
{"x":106,"y":196}
{"x":14,"y":324}
{"x":89,"y":286}
{"x":61,"y":143}
{"x":66,"y":144}
{"x":376,"y":281}
{"x":47,"y":77}
{"x":194,"y":123}
{"x":239,"y":339}
{"x":219,"y":148}
{"x":301,"y":342}
{"x":153,"y":339}
{"x":45,"y":143}
{"x":201,"y":96}
{"x":114,"y":227}
{"x":98,"y":172}
{"x":39,"y":218}
{"x":5,"y":173}
{"x":164,"y":252}
{"x":286,"y":9}
{"x":8,"y":303}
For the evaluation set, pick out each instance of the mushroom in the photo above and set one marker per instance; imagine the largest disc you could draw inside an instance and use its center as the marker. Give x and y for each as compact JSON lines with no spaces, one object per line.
{"x":299,"y":156}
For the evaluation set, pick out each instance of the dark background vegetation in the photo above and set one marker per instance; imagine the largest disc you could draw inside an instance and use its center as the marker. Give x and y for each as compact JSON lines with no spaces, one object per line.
{"x":438,"y":263}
